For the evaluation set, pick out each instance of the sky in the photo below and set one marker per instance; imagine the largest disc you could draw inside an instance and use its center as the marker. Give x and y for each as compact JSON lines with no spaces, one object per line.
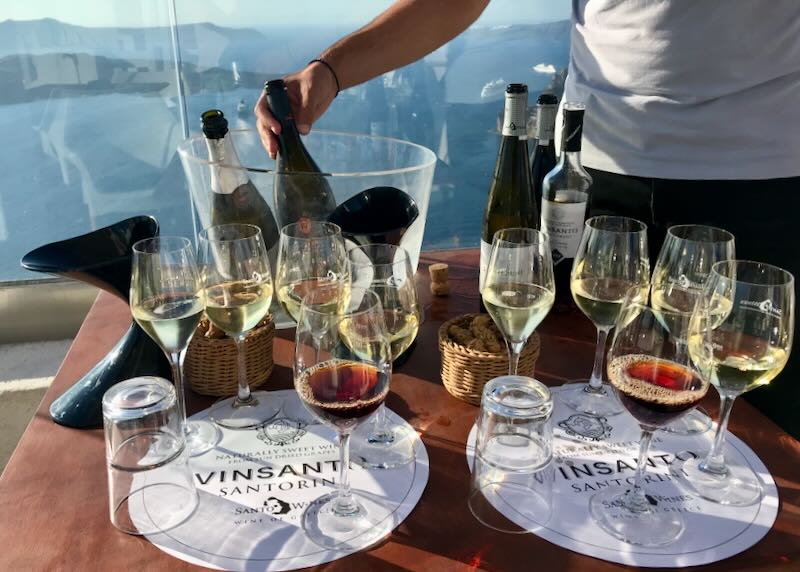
{"x":253,"y":13}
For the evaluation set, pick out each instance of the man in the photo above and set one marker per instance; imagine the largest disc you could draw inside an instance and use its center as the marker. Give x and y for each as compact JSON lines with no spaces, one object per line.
{"x":693,"y":115}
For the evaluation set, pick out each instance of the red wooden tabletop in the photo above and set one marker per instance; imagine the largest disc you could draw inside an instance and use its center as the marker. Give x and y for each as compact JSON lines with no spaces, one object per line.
{"x":53,"y":491}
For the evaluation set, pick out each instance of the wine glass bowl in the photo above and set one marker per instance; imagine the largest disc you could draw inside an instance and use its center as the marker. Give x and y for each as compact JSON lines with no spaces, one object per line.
{"x":238,"y":288}
{"x":342,"y":368}
{"x":519,"y":287}
{"x":611,"y":262}
{"x":747,"y":344}
{"x":311,"y":254}
{"x":656,"y":382}
{"x":684,"y":263}
{"x":167,"y":301}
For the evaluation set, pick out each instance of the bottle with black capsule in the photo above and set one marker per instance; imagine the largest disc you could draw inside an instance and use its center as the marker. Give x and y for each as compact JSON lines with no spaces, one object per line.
{"x":301,"y":191}
{"x":565,"y":194}
{"x":543,"y":158}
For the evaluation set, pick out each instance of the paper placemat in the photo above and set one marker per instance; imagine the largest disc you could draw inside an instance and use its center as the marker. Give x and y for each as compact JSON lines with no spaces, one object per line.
{"x":256,"y":484}
{"x":591,"y":454}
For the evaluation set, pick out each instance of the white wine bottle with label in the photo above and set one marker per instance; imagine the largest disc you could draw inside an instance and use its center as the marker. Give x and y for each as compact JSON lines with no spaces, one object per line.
{"x":511,"y":202}
{"x":565,"y":194}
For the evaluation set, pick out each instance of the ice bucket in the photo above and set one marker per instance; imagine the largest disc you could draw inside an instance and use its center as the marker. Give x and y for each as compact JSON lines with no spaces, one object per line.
{"x":352,"y":163}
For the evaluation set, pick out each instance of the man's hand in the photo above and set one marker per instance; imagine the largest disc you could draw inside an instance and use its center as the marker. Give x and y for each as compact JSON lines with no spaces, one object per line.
{"x":311,"y":91}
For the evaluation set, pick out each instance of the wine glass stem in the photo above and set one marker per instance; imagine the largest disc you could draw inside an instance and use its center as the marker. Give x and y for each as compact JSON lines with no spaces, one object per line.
{"x":514,"y":351}
{"x":596,"y":380}
{"x":176,"y":363}
{"x":635,"y":499}
{"x":715,"y":460}
{"x":243,"y":393}
{"x":381,"y":432}
{"x":344,"y":504}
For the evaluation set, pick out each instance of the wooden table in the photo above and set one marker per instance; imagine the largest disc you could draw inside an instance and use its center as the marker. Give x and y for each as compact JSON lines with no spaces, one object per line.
{"x":53,"y":491}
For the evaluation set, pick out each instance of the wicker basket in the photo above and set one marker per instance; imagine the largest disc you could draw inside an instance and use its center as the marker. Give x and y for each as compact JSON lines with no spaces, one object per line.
{"x":465,"y":371}
{"x":211,"y":364}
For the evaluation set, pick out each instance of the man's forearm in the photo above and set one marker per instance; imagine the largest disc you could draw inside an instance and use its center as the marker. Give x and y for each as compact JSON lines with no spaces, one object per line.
{"x":405,"y":32}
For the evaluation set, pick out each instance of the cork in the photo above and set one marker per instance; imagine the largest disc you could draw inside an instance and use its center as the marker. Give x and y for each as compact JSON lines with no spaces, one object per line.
{"x":439,"y":276}
{"x":438,"y":272}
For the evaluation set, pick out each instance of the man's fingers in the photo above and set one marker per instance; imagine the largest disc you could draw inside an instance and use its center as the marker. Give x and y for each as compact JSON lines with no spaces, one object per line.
{"x":267,"y":138}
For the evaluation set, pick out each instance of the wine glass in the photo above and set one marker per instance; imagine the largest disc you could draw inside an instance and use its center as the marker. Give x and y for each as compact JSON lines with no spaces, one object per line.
{"x":310,"y":254}
{"x":748,"y":344}
{"x":656,"y":381}
{"x":238,"y":289}
{"x":519,"y":288}
{"x":611,"y":259}
{"x":681,"y":270}
{"x":386,"y":269}
{"x":342,"y":368}
{"x":167,"y":302}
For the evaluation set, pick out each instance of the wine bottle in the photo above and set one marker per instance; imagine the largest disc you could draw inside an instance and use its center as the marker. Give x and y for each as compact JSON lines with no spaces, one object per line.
{"x":543,"y":159}
{"x":234,"y":197}
{"x":565,"y":192}
{"x":301,"y":192}
{"x":511,"y":202}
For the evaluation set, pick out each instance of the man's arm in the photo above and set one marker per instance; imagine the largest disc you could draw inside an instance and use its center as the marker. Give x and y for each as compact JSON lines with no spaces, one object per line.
{"x":405,"y":32}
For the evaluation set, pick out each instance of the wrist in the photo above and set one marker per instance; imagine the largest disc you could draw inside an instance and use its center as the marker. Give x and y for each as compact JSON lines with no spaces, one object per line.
{"x":325,"y":71}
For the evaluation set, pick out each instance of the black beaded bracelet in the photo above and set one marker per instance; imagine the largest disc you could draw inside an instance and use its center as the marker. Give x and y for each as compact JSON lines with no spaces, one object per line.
{"x":333,"y":72}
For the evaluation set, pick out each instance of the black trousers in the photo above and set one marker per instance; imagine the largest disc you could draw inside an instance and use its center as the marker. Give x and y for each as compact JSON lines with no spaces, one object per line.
{"x":764,"y":216}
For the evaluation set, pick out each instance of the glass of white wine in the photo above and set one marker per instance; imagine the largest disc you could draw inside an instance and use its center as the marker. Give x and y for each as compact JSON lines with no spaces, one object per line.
{"x":311,"y":254}
{"x":747,"y":347}
{"x":682,"y":268}
{"x":611,"y":260}
{"x":519,"y":288}
{"x":386,"y":270}
{"x":167,"y":302}
{"x":238,"y":288}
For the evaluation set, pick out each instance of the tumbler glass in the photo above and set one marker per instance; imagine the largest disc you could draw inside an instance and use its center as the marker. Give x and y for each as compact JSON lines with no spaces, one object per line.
{"x":512,"y":473}
{"x":150,"y":486}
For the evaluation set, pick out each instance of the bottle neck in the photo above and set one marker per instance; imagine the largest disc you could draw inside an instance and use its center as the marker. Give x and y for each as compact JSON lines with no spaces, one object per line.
{"x":226,"y":170}
{"x":570,"y":160}
{"x":515,"y":116}
{"x":545,"y":124}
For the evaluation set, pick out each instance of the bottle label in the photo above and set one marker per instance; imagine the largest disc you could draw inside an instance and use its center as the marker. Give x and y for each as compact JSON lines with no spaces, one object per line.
{"x":563,"y":223}
{"x":486,"y":250}
{"x":515,"y":116}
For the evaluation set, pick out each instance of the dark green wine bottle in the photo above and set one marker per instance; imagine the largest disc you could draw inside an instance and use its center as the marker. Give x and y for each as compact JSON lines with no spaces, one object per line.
{"x":544,"y":155}
{"x":234,"y":197}
{"x":301,"y":191}
{"x":511,"y":202}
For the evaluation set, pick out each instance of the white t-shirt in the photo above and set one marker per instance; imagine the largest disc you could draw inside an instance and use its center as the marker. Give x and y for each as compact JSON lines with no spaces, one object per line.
{"x":688,"y":89}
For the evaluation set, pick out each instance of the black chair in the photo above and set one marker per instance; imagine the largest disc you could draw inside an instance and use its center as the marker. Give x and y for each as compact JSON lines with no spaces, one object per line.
{"x":102,"y":258}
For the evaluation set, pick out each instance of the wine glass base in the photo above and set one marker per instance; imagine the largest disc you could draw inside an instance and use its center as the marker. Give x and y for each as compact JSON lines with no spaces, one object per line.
{"x":370,"y":451}
{"x":739,"y":487}
{"x":201,"y":437}
{"x":368,"y":525}
{"x":578,"y":396}
{"x":648,"y":527}
{"x":695,"y":422}
{"x":261,"y":408}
